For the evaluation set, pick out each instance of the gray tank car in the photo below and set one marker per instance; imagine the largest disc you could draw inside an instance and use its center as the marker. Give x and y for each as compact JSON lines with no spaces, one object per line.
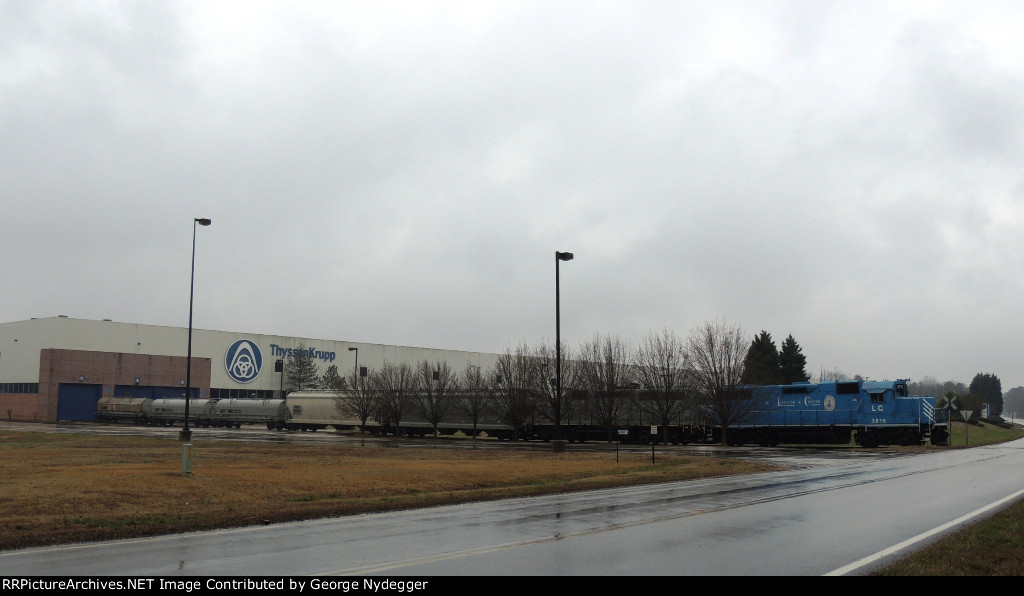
{"x":224,"y":413}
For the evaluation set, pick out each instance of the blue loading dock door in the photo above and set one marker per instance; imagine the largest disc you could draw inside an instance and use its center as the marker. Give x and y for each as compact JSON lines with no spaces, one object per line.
{"x":77,"y":402}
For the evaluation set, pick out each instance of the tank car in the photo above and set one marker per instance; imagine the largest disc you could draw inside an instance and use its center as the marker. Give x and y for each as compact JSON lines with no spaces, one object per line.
{"x":136,"y":410}
{"x":236,"y":412}
{"x":170,"y":411}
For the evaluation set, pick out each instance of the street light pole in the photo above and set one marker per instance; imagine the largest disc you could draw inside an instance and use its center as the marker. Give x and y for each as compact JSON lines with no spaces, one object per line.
{"x":559,"y":256}
{"x":186,"y":434}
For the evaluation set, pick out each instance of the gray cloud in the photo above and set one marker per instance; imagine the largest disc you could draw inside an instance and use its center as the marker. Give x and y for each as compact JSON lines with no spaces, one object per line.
{"x":402,"y":172}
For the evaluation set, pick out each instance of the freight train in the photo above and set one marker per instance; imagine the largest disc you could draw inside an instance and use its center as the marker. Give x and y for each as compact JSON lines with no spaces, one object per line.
{"x":870,"y":413}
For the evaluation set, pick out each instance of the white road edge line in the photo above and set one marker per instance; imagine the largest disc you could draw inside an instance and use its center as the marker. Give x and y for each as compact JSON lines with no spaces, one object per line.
{"x":893,"y":549}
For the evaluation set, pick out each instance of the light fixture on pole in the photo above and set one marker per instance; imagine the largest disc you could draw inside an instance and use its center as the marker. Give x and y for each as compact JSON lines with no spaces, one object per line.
{"x":186,"y":434}
{"x":559,"y":256}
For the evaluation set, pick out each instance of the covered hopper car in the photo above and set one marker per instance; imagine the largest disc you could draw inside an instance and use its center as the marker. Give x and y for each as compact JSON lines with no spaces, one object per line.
{"x":313,"y":410}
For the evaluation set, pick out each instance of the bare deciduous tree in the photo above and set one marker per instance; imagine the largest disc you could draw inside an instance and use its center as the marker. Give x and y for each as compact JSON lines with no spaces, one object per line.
{"x":476,"y":399}
{"x":553,"y":406}
{"x":394,"y":388}
{"x":834,"y":375}
{"x":716,"y":352}
{"x":661,"y":369}
{"x":515,"y":398}
{"x":603,"y":371}
{"x":435,"y":386}
{"x":359,"y":399}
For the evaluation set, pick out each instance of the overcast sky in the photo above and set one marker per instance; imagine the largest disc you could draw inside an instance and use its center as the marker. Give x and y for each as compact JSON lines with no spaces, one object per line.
{"x":851,"y":173}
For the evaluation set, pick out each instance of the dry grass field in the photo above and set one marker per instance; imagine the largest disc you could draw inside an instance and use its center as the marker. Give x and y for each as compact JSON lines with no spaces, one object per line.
{"x":61,"y":488}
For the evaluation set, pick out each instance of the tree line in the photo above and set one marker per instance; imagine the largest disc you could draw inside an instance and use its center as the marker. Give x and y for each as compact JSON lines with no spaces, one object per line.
{"x":984,"y":389}
{"x":704,"y":370}
{"x":600,"y":380}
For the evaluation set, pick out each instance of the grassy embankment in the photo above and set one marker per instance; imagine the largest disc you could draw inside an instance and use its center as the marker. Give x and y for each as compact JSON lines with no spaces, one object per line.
{"x":60,"y":488}
{"x":993,"y":546}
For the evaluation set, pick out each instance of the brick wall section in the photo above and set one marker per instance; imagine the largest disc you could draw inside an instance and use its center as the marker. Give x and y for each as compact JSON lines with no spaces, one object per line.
{"x":19,"y":406}
{"x":107,"y":369}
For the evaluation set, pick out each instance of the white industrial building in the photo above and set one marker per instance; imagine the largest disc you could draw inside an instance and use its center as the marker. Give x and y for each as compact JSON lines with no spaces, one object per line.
{"x":57,"y":368}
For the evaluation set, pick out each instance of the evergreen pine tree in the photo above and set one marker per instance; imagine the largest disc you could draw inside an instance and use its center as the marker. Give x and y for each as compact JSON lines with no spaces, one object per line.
{"x":761,"y":365}
{"x":301,"y":369}
{"x":990,"y":389}
{"x":792,"y":362}
{"x":332,"y":379}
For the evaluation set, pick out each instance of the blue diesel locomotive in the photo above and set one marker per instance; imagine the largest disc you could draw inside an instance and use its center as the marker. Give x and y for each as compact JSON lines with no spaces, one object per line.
{"x":872,"y":413}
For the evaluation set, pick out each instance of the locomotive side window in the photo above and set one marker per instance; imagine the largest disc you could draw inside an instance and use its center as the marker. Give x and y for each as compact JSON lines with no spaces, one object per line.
{"x":877,"y":398}
{"x":848,"y":388}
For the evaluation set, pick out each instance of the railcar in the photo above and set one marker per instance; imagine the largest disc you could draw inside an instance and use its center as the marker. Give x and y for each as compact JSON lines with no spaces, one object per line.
{"x":201,"y":412}
{"x":636,"y":418}
{"x":171,"y":411}
{"x":415,"y":424}
{"x":314,"y":410}
{"x":872,"y":413}
{"x":236,"y":412}
{"x":137,"y":410}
